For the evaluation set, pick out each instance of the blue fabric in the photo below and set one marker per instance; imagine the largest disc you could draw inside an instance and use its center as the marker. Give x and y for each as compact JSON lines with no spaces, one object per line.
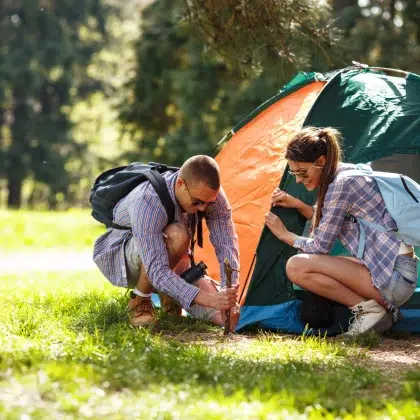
{"x":285,"y":318}
{"x":276,"y":317}
{"x":410,"y":322}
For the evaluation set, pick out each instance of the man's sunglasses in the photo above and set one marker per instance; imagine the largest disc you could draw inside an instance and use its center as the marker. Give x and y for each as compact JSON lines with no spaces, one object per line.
{"x":195,"y":202}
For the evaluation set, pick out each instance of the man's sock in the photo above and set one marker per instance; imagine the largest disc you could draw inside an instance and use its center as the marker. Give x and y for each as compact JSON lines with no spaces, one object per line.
{"x":145,"y":295}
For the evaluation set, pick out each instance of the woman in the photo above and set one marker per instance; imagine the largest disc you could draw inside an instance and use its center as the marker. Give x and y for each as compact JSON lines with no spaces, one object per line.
{"x":386,"y":275}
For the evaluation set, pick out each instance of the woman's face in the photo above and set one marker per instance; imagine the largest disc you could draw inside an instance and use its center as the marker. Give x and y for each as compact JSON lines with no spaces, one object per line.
{"x":307,"y":173}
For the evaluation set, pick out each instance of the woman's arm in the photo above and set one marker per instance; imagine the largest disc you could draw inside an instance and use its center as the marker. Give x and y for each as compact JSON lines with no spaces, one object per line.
{"x":336,"y":205}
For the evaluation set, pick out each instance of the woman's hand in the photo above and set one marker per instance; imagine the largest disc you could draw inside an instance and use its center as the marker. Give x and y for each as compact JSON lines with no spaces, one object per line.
{"x":280,"y":198}
{"x":278,"y":229}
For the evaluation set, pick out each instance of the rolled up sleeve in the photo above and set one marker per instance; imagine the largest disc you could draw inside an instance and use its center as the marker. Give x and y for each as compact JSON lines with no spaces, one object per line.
{"x":223,"y":235}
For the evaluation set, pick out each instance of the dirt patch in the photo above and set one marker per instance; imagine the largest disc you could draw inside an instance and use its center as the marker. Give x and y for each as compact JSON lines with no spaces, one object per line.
{"x":391,"y":355}
{"x":396,"y":356}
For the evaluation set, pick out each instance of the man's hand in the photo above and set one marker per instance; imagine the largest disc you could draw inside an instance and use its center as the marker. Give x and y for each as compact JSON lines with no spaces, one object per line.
{"x":223,"y":300}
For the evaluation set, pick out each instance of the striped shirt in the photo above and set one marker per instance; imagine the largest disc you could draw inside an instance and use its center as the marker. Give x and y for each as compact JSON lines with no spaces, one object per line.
{"x":143,"y":211}
{"x":361,"y":198}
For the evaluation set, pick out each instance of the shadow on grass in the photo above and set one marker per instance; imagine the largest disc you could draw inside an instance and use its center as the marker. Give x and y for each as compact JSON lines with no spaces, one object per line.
{"x":109,"y":351}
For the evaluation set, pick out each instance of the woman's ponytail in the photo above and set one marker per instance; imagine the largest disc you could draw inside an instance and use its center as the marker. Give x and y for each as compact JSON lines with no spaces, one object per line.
{"x":332,"y":139}
{"x":308,"y":145}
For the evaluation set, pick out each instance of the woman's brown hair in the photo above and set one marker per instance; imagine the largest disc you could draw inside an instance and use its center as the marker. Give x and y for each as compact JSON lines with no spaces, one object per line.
{"x":308,"y":145}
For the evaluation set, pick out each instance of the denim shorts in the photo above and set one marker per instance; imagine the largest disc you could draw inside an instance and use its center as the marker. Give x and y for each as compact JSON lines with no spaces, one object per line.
{"x":403,"y":281}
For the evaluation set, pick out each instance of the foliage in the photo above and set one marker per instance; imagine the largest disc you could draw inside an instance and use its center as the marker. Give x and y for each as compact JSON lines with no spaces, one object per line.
{"x":45,"y":50}
{"x":183,"y":97}
{"x":382,"y":33}
{"x":89,"y":85}
{"x":252,"y":35}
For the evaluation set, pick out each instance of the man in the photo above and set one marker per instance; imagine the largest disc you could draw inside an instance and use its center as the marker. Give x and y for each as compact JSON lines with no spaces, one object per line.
{"x":153,"y":254}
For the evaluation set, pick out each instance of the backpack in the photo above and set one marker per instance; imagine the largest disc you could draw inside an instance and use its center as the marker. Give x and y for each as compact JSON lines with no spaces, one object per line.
{"x":402,"y":199}
{"x":112,"y":185}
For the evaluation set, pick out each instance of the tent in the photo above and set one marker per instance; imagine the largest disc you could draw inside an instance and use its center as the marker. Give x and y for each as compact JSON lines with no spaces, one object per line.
{"x":378,"y":112}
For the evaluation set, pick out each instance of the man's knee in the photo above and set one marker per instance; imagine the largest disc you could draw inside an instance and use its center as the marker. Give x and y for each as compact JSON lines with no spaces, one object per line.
{"x":177,"y":241}
{"x":206,"y":284}
{"x":296,"y":267}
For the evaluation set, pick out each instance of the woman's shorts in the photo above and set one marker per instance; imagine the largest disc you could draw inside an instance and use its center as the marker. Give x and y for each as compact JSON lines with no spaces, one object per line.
{"x":403,"y":281}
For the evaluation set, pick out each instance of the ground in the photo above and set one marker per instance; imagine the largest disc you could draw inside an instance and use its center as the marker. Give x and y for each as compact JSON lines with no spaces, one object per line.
{"x":66,"y":350}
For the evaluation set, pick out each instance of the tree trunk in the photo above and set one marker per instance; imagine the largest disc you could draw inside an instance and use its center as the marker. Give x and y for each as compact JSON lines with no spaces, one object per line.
{"x":345,"y":13}
{"x":17,"y":166}
{"x":14,"y":185}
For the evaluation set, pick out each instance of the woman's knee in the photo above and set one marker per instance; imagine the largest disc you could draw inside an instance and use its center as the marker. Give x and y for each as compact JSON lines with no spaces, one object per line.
{"x":296,"y":267}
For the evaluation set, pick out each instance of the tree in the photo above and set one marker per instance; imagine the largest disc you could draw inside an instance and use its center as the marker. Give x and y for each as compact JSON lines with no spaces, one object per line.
{"x":179,"y":100}
{"x":45,"y":49}
{"x":186,"y":95}
{"x":258,"y":35}
{"x":382,"y":33}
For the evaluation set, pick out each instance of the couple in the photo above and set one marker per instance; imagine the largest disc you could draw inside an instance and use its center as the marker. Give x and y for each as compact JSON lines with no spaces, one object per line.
{"x":153,"y":254}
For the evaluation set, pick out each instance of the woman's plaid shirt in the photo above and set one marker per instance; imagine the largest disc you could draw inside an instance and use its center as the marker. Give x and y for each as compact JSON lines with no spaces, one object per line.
{"x":359,"y":197}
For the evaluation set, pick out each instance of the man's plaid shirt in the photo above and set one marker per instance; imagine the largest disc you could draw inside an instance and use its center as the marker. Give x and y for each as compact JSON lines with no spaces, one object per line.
{"x":143,"y":211}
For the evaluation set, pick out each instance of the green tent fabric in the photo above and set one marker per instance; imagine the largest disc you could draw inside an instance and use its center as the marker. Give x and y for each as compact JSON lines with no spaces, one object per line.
{"x":379,"y":116}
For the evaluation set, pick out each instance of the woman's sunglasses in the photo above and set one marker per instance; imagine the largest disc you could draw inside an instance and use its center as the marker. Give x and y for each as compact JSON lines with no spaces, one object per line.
{"x":304,"y":174}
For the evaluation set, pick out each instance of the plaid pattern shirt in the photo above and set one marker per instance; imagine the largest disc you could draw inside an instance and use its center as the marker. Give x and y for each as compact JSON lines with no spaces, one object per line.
{"x":359,"y":197}
{"x":143,"y":211}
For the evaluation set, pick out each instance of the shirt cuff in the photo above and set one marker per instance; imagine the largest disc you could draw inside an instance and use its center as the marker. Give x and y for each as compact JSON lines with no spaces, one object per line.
{"x":188,"y":295}
{"x":299,"y":242}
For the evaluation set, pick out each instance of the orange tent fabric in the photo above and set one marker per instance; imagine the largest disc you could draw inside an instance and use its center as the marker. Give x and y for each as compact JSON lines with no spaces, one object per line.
{"x":251,"y":164}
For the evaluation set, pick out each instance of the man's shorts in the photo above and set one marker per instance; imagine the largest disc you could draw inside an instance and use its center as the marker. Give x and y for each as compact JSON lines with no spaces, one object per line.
{"x":403,"y":281}
{"x":134,"y":266}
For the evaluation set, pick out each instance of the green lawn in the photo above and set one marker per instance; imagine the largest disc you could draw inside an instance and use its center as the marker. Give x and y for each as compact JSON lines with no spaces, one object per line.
{"x":66,"y":351}
{"x":23,"y":229}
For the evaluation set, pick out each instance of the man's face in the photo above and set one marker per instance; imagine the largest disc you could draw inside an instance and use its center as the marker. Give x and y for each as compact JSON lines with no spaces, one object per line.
{"x":195,"y":196}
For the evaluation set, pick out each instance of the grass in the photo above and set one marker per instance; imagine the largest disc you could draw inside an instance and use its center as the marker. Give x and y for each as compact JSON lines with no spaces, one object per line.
{"x":74,"y":229}
{"x":67,"y":352}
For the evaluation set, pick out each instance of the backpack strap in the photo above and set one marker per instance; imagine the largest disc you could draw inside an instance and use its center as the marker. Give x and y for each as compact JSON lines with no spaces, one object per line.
{"x":364,"y":170}
{"x":159,"y":185}
{"x":362,"y":238}
{"x":196,"y":226}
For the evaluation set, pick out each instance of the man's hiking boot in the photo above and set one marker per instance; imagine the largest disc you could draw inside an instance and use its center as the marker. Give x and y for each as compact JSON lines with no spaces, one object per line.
{"x":169,"y":305}
{"x":140,"y":311}
{"x":369,"y":316}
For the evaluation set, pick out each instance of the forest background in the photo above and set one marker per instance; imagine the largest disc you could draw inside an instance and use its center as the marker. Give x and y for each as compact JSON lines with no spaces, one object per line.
{"x":85,"y":86}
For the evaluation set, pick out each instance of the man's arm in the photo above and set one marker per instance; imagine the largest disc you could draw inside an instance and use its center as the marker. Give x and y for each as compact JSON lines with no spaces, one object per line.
{"x":223,"y":235}
{"x":148,"y":219}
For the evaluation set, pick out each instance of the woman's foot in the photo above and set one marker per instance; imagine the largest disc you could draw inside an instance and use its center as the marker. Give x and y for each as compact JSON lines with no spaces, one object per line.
{"x":369,"y":316}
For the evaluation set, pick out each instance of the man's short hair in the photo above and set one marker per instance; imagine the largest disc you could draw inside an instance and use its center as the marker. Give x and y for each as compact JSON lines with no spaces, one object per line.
{"x":201,"y":168}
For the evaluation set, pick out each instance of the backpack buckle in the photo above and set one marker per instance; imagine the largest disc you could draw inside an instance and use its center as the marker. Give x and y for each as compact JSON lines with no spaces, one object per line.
{"x":350,"y":218}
